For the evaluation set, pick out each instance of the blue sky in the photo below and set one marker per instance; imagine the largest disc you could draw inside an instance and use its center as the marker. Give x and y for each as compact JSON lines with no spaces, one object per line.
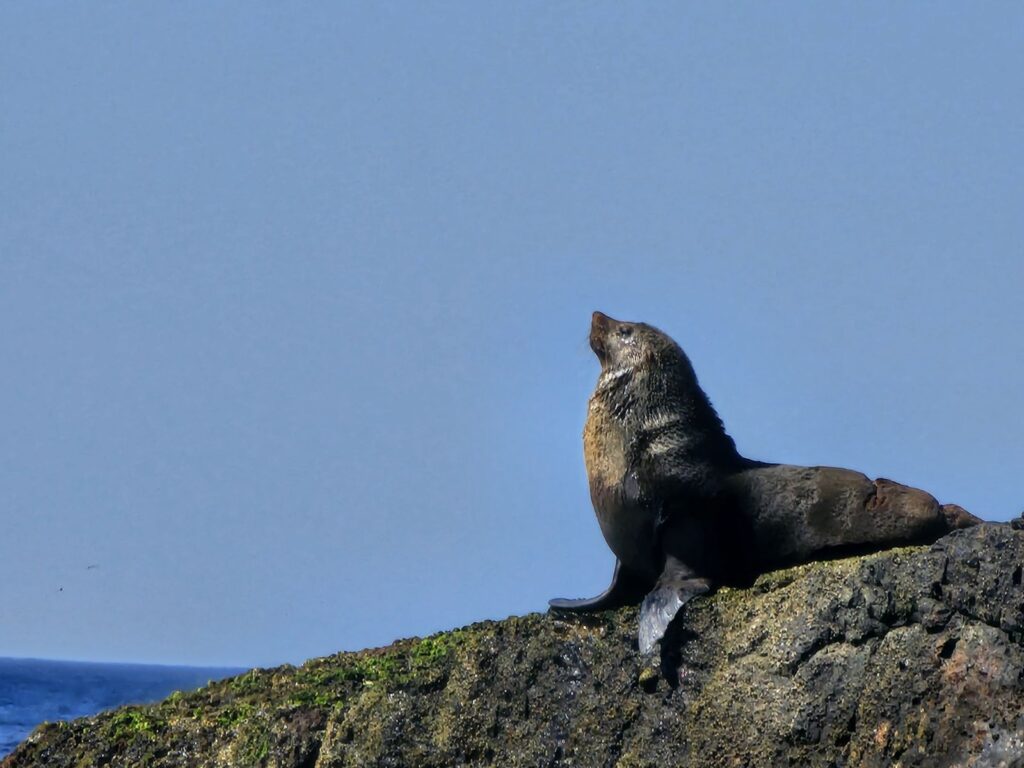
{"x":295,"y":302}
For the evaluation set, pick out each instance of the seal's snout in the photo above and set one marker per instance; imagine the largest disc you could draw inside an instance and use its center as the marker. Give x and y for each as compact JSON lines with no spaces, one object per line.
{"x":599,"y":325}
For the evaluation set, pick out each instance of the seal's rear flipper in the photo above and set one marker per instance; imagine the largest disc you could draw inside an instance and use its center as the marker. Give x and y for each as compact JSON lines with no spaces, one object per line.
{"x":627,"y":588}
{"x":676,"y":587}
{"x":957,"y":517}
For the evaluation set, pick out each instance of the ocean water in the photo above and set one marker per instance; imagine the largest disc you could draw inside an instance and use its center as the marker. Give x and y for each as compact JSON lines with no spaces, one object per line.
{"x":33,"y":691}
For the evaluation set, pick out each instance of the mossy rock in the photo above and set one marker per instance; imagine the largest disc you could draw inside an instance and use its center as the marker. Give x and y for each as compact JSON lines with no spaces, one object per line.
{"x":911,"y":656}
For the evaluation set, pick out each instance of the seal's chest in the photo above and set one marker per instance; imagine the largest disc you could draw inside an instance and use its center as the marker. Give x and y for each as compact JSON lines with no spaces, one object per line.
{"x":627,"y":530}
{"x":604,"y":449}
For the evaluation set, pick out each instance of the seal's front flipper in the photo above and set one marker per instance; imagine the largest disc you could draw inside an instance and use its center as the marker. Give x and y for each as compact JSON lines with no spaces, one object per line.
{"x":627,"y":588}
{"x":677,"y":585}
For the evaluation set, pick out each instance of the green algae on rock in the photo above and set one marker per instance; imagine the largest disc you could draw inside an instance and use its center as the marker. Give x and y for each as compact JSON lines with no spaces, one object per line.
{"x":912,"y":656}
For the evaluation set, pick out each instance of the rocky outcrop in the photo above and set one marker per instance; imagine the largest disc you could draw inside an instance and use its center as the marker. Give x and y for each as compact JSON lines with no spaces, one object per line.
{"x":908,"y":657}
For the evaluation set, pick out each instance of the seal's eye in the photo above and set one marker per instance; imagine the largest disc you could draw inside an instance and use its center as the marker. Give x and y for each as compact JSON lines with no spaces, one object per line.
{"x":625,"y":331}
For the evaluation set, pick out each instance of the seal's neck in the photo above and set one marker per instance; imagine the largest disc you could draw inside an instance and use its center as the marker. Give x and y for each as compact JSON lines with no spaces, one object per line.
{"x":613,"y":379}
{"x":637,"y":396}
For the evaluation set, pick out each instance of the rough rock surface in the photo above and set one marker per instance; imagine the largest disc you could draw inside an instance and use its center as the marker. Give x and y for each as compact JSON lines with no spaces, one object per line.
{"x":908,"y":657}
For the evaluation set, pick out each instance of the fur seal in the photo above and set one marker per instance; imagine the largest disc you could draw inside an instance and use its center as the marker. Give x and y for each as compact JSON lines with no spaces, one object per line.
{"x":684,"y":512}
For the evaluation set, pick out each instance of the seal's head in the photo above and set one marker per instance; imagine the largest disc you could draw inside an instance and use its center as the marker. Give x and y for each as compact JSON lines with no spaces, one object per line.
{"x":627,"y":346}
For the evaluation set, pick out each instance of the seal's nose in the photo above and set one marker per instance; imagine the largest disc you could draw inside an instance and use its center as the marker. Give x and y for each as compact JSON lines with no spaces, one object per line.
{"x":599,"y":325}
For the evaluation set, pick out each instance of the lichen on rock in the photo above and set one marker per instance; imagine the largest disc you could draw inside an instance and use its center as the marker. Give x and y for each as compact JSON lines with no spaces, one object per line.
{"x":911,"y":656}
